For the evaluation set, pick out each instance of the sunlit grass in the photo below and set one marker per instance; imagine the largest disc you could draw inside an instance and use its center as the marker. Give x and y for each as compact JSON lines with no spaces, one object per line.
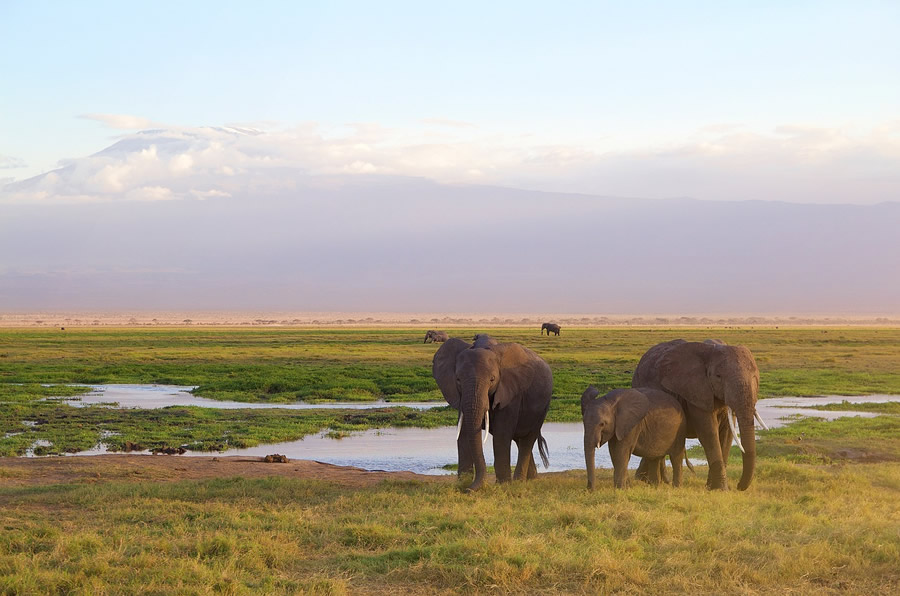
{"x":800,"y":528}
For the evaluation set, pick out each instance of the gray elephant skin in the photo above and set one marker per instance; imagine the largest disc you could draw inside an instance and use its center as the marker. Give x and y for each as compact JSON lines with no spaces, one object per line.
{"x":503,"y":386}
{"x":435,"y":336}
{"x":645,"y":422}
{"x":550,"y":327}
{"x":709,"y":378}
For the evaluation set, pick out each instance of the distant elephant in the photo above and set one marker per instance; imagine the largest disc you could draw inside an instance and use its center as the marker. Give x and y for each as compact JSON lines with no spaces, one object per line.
{"x":714,"y":382}
{"x":436,"y":336}
{"x":506,"y":387}
{"x":645,"y":422}
{"x":550,"y":327}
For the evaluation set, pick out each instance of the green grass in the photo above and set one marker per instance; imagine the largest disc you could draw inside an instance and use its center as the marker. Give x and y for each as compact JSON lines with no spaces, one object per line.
{"x":891,"y":407}
{"x":800,"y":529}
{"x":323,"y":365}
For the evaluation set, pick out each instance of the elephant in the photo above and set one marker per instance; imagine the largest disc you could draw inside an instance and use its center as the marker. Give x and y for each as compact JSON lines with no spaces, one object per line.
{"x":714,"y":383}
{"x":507,"y":388}
{"x":550,"y":327}
{"x":483,"y":340}
{"x":646,"y":422}
{"x":436,"y":336}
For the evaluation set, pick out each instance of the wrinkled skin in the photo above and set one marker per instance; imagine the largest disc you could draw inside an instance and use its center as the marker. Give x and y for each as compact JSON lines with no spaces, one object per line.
{"x":707,"y":378}
{"x":510,"y":382}
{"x":436,"y":336}
{"x":645,"y":422}
{"x":551,"y":328}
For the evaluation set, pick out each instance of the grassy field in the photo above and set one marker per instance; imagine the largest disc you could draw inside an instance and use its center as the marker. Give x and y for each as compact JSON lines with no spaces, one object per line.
{"x":820,"y":517}
{"x":807,"y":529}
{"x":277,"y":365}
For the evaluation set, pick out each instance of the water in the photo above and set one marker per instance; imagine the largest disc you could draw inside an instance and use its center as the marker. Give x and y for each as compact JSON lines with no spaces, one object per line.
{"x":150,"y":397}
{"x":425,"y":451}
{"x":421,"y":450}
{"x":779,"y":411}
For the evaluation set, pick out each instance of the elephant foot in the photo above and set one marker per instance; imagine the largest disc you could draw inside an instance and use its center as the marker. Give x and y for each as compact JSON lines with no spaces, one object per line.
{"x":712,"y":485}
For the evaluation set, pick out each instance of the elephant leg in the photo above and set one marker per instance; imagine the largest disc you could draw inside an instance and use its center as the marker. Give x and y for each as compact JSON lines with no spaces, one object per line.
{"x":620,"y":454}
{"x":663,"y":473}
{"x":706,"y":424}
{"x":725,"y":436}
{"x":643,"y":472}
{"x":502,"y":458}
{"x":525,"y":462}
{"x":656,"y":466}
{"x":532,"y":469}
{"x":677,"y":461}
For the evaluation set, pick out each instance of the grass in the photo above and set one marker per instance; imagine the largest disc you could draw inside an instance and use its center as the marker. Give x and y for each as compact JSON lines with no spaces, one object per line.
{"x":800,"y":529}
{"x":820,"y":517}
{"x":323,"y":365}
{"x":891,"y":407}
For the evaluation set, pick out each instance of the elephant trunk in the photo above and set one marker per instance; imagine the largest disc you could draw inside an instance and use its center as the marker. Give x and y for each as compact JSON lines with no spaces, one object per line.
{"x":473,"y":412}
{"x":590,"y":444}
{"x":748,"y":441}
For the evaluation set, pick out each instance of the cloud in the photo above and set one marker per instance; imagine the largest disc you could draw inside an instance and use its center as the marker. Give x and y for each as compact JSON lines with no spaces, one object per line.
{"x":8,"y":163}
{"x":448,"y":123}
{"x":791,"y":163}
{"x":121,"y":121}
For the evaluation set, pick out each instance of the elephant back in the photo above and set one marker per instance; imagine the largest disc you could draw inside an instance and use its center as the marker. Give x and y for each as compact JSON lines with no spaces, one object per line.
{"x":647,"y":372}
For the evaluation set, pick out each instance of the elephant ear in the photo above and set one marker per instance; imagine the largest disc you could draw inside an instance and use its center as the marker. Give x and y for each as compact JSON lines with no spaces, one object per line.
{"x":631,"y":407}
{"x":589,"y":395}
{"x":443,"y":368}
{"x":516,"y":373}
{"x":682,"y":370}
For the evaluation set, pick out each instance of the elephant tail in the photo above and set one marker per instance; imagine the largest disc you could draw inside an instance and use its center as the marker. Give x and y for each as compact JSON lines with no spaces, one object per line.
{"x":688,"y":463}
{"x":542,"y":447}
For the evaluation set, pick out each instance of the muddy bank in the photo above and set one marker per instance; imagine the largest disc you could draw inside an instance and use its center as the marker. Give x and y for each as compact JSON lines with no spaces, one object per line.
{"x":17,"y":471}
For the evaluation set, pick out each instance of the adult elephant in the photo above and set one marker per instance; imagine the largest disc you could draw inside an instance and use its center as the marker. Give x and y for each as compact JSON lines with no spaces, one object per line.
{"x":436,"y":336}
{"x":550,"y":327}
{"x":712,"y":380}
{"x":507,"y":388}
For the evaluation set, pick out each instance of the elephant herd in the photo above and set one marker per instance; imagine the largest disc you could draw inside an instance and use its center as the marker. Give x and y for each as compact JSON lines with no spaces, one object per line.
{"x":679,"y":389}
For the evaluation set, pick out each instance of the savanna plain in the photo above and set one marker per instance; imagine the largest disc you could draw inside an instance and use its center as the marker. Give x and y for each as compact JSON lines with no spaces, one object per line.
{"x":820,"y":517}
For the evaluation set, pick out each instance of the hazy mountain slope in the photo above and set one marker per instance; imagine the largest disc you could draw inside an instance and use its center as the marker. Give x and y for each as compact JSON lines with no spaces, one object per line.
{"x":406,"y":244}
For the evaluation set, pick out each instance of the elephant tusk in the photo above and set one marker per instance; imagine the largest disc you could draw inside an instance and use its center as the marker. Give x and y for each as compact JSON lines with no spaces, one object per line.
{"x":737,"y":439}
{"x":760,"y":420}
{"x":459,"y":426}
{"x":487,"y":426}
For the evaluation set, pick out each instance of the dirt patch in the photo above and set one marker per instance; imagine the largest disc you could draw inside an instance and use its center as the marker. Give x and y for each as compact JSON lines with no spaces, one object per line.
{"x":20,"y":471}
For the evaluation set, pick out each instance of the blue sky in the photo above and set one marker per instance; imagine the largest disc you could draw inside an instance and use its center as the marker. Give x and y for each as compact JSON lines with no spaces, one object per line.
{"x":598,"y":76}
{"x":294,"y":153}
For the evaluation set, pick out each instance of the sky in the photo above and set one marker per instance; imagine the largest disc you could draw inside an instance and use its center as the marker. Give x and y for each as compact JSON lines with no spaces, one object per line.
{"x":112,"y":106}
{"x":717,"y":101}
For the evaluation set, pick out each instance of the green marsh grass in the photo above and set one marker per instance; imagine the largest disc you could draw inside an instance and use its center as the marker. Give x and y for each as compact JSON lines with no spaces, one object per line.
{"x":279,"y":365}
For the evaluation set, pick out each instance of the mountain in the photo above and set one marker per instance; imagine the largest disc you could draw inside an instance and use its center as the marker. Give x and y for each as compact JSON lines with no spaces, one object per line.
{"x":388,"y":243}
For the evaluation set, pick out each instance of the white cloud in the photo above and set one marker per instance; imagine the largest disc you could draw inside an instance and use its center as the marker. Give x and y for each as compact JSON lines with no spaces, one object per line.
{"x":121,"y":121}
{"x":150,"y":193}
{"x":724,"y":162}
{"x":9,"y":162}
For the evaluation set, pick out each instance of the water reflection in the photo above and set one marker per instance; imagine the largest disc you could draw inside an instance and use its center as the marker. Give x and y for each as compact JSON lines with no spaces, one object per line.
{"x":150,"y":397}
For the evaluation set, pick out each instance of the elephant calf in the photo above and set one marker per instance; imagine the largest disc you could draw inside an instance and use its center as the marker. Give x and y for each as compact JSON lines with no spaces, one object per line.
{"x":645,"y":422}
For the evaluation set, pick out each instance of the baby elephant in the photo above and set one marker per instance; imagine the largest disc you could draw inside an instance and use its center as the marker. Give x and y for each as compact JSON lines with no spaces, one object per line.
{"x":644,"y":422}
